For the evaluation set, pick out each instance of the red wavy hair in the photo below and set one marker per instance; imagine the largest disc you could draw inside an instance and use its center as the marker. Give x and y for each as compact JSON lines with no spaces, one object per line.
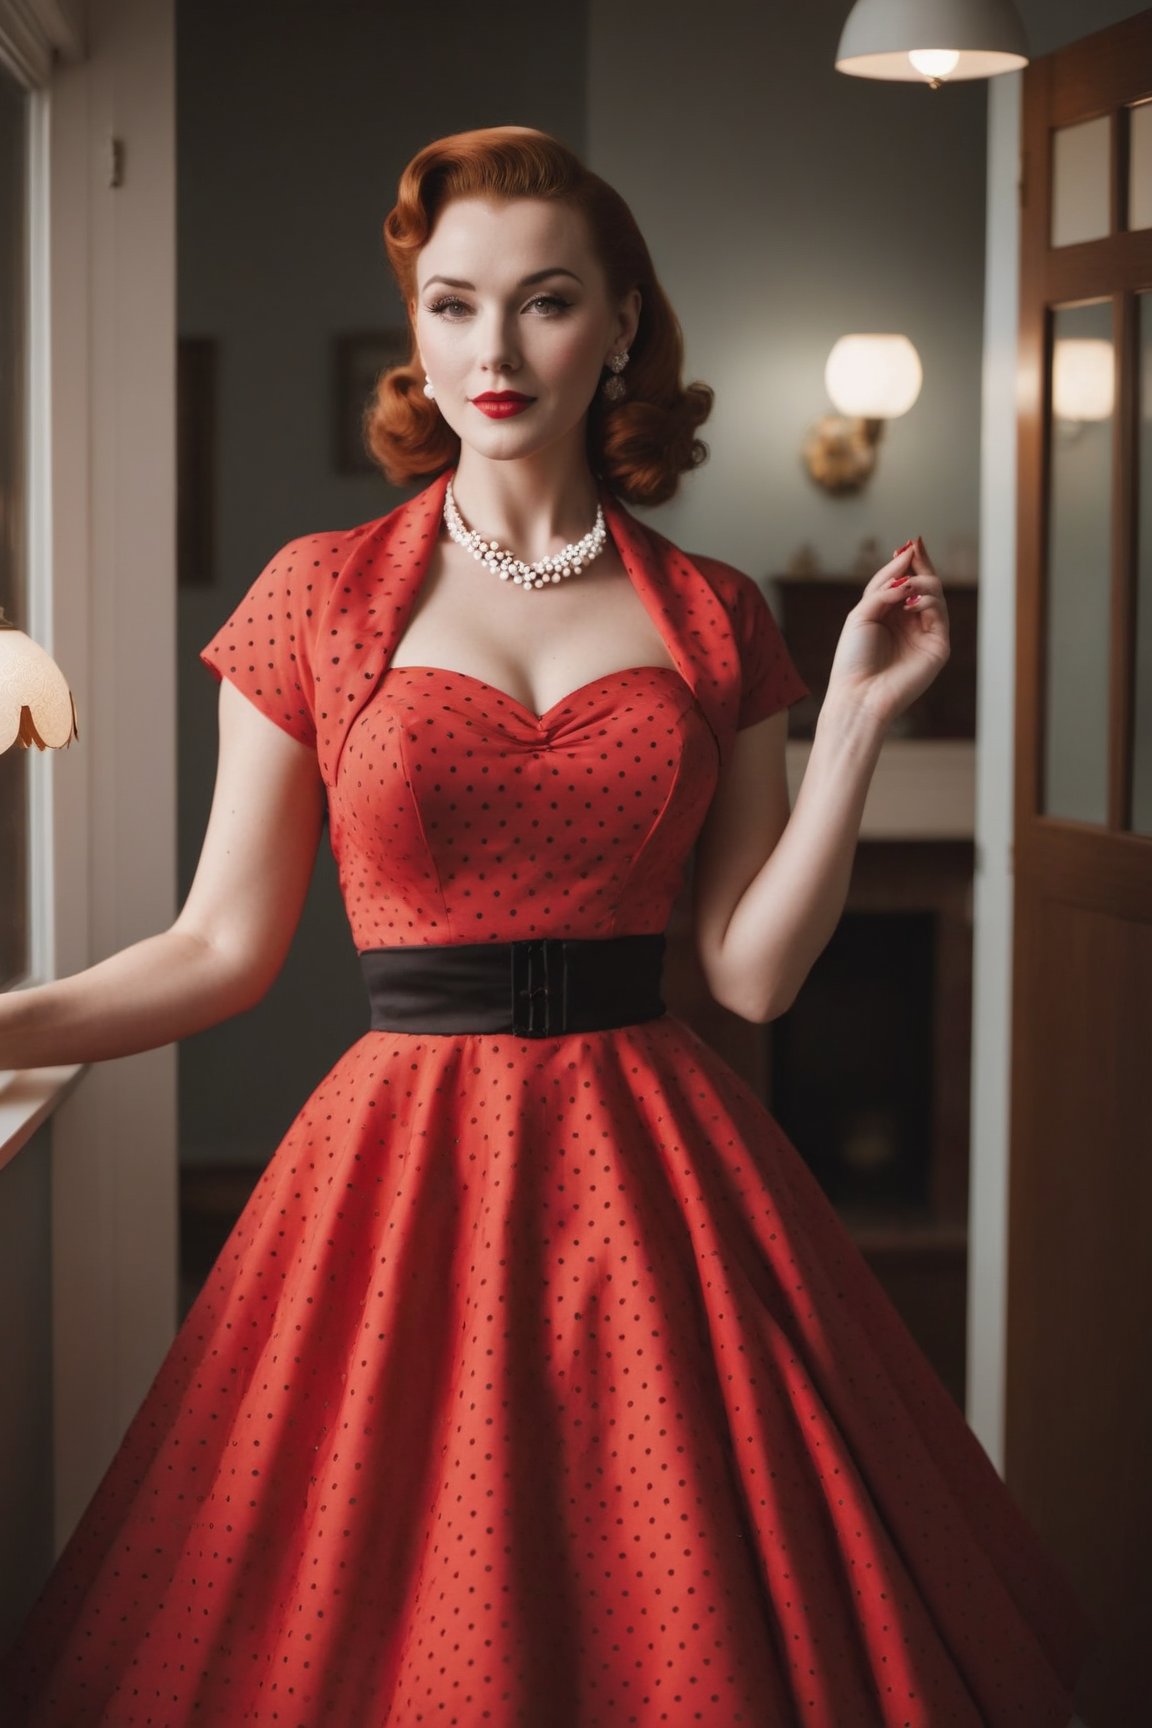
{"x":640,"y":445}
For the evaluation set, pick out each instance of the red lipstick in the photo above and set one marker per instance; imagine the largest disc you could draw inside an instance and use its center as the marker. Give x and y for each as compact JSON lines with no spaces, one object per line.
{"x":502,"y":404}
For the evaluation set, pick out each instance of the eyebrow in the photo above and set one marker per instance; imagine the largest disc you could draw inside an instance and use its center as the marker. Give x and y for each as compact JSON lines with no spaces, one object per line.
{"x":525,"y":281}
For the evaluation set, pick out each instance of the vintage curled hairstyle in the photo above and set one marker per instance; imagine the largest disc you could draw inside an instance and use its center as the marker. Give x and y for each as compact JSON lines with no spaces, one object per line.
{"x":641,"y":444}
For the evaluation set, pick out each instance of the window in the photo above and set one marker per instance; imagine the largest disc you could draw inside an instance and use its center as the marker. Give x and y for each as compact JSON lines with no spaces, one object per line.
{"x":15,"y":825}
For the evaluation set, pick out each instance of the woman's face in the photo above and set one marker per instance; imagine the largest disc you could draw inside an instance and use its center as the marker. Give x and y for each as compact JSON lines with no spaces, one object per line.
{"x":510,"y":298}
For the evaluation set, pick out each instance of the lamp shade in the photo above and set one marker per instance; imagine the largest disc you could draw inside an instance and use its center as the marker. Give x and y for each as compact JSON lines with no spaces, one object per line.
{"x":930,"y":40}
{"x":36,"y":705}
{"x":1083,"y":378}
{"x":873,"y":377}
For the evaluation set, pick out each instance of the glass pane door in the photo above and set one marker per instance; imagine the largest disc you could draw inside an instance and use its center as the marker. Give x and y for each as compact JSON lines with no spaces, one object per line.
{"x":1077,"y":621}
{"x":1142,"y":663}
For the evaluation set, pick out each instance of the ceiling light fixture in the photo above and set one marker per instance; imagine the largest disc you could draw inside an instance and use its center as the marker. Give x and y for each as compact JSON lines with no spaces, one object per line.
{"x":931,"y":41}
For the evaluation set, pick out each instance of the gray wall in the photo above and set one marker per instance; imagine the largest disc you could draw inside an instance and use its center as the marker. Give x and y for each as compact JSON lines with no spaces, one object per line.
{"x":1052,"y":24}
{"x":786,"y":205}
{"x":294,"y":120}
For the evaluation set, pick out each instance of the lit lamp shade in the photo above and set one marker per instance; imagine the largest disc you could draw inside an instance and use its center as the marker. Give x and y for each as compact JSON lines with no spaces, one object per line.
{"x":873,"y":377}
{"x":870,"y":379}
{"x":36,"y":705}
{"x":927,"y":41}
{"x":1083,"y":379}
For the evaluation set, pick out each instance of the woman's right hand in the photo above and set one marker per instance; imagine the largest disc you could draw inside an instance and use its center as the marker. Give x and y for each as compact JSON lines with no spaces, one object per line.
{"x":895,"y":640}
{"x":231,"y":937}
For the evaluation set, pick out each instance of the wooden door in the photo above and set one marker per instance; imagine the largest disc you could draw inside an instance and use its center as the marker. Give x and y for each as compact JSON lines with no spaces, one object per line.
{"x":1078,"y":1441}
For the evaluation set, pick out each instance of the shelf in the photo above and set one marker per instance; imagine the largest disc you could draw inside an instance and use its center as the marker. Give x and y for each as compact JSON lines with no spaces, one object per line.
{"x":922,"y":788}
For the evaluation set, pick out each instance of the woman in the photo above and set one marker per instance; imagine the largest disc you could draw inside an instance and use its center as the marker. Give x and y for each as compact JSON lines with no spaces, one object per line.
{"x":538,"y":1382}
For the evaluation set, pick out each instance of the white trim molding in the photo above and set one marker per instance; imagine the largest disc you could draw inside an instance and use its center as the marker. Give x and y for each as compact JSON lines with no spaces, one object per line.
{"x":995,"y":756}
{"x":112,"y":794}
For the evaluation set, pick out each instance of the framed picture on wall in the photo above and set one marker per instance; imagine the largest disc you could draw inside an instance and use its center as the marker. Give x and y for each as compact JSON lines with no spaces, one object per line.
{"x":195,"y":460}
{"x":359,"y":359}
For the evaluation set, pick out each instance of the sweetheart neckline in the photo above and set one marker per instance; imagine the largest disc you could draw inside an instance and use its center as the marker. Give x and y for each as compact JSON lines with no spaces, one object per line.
{"x":515,"y":702}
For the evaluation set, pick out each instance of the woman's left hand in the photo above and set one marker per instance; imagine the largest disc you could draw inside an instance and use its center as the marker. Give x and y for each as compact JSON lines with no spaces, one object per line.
{"x":895,"y":640}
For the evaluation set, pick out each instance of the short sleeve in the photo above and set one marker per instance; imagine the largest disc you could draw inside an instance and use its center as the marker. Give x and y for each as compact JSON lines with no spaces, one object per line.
{"x":769,"y":679}
{"x":264,"y":647}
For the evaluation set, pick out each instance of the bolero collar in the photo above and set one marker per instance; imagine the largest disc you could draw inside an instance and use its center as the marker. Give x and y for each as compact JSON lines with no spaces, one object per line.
{"x":689,"y":599}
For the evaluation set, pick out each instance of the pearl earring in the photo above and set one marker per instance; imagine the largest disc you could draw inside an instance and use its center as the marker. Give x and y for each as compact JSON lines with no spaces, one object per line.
{"x":429,"y":387}
{"x":615,"y":387}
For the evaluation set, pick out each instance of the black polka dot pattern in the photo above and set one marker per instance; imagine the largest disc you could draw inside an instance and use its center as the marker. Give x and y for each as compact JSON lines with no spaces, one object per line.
{"x":538,"y":1383}
{"x":314,"y":635}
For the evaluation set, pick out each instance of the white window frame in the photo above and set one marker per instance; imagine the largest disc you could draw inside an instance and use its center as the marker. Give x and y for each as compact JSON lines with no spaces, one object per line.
{"x":105,"y":552}
{"x":32,"y":34}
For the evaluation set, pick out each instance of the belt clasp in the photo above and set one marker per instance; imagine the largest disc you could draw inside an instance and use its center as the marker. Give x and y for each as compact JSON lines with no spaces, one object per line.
{"x":539,"y":987}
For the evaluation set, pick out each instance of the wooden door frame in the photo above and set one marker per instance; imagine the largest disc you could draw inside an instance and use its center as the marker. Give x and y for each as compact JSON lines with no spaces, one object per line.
{"x":1078,"y":1400}
{"x":1067,"y":90}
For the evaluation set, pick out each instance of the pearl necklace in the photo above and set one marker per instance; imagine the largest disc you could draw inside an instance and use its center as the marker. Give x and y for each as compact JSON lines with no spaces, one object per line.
{"x":568,"y":562}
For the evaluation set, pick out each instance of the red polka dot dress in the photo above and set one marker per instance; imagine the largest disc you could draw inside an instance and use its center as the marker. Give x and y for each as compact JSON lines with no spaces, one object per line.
{"x":538,"y":1385}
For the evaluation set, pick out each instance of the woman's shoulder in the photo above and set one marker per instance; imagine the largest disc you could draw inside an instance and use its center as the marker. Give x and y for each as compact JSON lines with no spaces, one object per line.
{"x":735,"y":586}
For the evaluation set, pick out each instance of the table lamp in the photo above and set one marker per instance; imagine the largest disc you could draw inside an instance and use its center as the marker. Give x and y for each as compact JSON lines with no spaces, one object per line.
{"x":36,"y":705}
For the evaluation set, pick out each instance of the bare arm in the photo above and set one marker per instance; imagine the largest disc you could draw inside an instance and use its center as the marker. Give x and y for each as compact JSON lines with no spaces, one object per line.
{"x":232,"y":935}
{"x":769,"y":887}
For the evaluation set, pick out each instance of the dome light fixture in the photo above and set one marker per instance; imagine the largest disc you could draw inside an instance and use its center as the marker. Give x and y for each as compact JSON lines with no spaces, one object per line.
{"x":1083,"y":380}
{"x":870,"y":379}
{"x":931,"y":41}
{"x":36,"y":705}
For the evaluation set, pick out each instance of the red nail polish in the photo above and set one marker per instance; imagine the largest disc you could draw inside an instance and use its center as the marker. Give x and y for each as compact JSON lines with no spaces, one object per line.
{"x":897,"y":581}
{"x":912,"y":599}
{"x":903,"y":548}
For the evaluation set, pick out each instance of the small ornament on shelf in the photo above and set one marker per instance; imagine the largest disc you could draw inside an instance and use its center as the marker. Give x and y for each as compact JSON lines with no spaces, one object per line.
{"x":805,"y":561}
{"x":869,"y":558}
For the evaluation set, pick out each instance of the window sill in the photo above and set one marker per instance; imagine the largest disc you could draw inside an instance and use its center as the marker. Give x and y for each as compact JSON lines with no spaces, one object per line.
{"x":27,"y":1099}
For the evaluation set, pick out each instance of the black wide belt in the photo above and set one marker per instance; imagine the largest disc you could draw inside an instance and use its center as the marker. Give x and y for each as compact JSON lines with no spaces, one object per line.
{"x":536,"y":988}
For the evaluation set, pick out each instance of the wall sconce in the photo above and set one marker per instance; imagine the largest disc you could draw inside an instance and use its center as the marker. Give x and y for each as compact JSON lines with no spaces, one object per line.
{"x":929,"y":41}
{"x":870,"y":379}
{"x":36,"y":705}
{"x":1083,"y":381}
